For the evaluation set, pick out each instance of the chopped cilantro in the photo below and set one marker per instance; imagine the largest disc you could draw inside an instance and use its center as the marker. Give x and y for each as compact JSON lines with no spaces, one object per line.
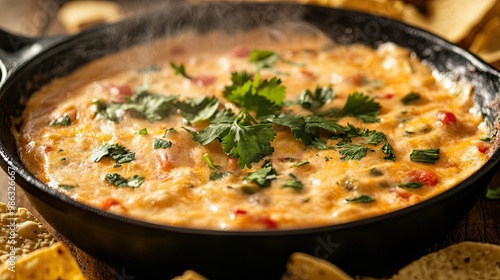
{"x":116,"y":151}
{"x":410,"y":98}
{"x":410,"y":185}
{"x":167,"y":131}
{"x":360,"y":199}
{"x":199,"y":109}
{"x":67,"y":187}
{"x":293,"y":183}
{"x":376,"y":172}
{"x":217,"y":175}
{"x":486,"y":139}
{"x":209,"y":161}
{"x":387,"y":149}
{"x":265,"y":97}
{"x":161,"y":144}
{"x":142,"y":131}
{"x":300,"y":163}
{"x":425,"y":155}
{"x":351,"y":151}
{"x":61,"y":121}
{"x":263,"y":176}
{"x":179,"y":70}
{"x":361,"y":107}
{"x":263,"y":58}
{"x":313,"y":101}
{"x":150,"y":69}
{"x":119,"y":181}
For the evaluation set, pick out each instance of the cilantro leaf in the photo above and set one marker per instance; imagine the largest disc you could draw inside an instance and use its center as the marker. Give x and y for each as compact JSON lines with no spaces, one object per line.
{"x":116,"y":151}
{"x":293,"y":183}
{"x":199,"y":109}
{"x":410,"y":98}
{"x":387,"y":149}
{"x":361,"y":107}
{"x":425,"y":155}
{"x":161,"y":144}
{"x":61,"y":121}
{"x":410,"y":185}
{"x":308,"y":129}
{"x":312,"y":101}
{"x":360,"y":199}
{"x":180,"y":70}
{"x":263,"y":58}
{"x":351,"y":151}
{"x":117,"y":180}
{"x":265,"y":97}
{"x":263,"y":176}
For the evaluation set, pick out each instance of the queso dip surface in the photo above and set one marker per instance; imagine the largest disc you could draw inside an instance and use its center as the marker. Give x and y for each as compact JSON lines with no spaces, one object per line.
{"x":266,"y":129}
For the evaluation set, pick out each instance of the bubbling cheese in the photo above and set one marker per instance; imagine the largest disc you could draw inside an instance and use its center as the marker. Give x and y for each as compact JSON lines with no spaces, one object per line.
{"x":177,"y":187}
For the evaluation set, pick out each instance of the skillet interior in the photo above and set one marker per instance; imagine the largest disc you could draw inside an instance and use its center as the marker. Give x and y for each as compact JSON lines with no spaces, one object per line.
{"x":369,"y":246}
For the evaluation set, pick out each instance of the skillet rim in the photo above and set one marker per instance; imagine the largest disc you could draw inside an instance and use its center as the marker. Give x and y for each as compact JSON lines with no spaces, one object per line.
{"x":9,"y":161}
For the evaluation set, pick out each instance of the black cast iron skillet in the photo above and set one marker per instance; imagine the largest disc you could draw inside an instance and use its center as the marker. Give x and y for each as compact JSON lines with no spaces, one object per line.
{"x":376,"y":246}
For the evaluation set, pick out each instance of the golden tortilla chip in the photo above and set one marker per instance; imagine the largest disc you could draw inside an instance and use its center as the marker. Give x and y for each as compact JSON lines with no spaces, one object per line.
{"x":190,"y":275}
{"x":462,"y":261}
{"x":302,"y":266}
{"x":451,"y":19}
{"x":486,"y":44}
{"x":20,"y":233}
{"x":392,"y":9}
{"x":54,"y":262}
{"x":78,"y":15}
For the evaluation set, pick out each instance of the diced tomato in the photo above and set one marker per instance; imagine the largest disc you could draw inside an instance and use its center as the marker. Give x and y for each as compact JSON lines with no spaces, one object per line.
{"x":423,"y":176}
{"x":388,"y":95}
{"x":108,"y":202}
{"x":232,"y":163}
{"x":266,"y":221}
{"x":120,"y":92}
{"x":203,"y":80}
{"x":47,"y":149}
{"x":163,"y":161}
{"x":241,"y":52}
{"x":482,"y":147}
{"x":446,"y":117}
{"x":239,"y":211}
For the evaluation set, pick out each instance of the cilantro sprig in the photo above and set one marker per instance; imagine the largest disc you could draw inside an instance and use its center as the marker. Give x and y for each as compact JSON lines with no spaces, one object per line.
{"x":116,"y":151}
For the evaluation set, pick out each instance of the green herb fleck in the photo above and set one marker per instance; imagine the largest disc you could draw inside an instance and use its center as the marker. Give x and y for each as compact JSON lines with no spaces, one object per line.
{"x":360,"y":199}
{"x":200,"y":109}
{"x":61,"y":121}
{"x":263,"y":176}
{"x":143,"y":131}
{"x":293,"y":183}
{"x":119,"y":181}
{"x":67,"y":187}
{"x":180,"y":70}
{"x":300,"y":163}
{"x":410,"y":185}
{"x":263,"y":58}
{"x":410,"y":98}
{"x":216,"y":175}
{"x":161,"y":144}
{"x":376,"y":172}
{"x":425,"y":155}
{"x":116,"y":151}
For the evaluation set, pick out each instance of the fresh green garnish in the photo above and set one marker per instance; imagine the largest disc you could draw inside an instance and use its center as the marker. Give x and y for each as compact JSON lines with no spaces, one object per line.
{"x":142,"y":131}
{"x":153,"y":107}
{"x":217,"y":175}
{"x":361,"y":107}
{"x":351,"y":151}
{"x":486,"y":139}
{"x":161,"y":144}
{"x":410,"y":98}
{"x":293,"y":183}
{"x":265,"y":97}
{"x":376,"y":172}
{"x":180,"y":70}
{"x":167,"y":131}
{"x":199,"y":109}
{"x":425,"y":155}
{"x":208,"y":161}
{"x":360,"y":199}
{"x":300,"y":163}
{"x":61,"y":121}
{"x":263,"y":176}
{"x":387,"y":149}
{"x":410,"y":185}
{"x":119,"y":181}
{"x":67,"y":187}
{"x":313,"y":101}
{"x":263,"y":58}
{"x":116,"y":151}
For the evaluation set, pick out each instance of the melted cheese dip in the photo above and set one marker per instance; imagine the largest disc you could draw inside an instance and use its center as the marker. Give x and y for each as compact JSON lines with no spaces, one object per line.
{"x":177,"y":189}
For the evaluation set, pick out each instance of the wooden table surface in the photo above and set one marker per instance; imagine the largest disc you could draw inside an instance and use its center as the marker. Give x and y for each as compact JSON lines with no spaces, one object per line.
{"x":481,"y":224}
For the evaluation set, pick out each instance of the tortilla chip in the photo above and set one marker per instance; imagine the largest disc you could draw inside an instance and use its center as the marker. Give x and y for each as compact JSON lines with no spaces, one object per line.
{"x":486,"y":44}
{"x":190,"y":275}
{"x":28,"y":236}
{"x":54,"y":262}
{"x":78,"y":15}
{"x":392,"y":9}
{"x":466,"y":260}
{"x":302,"y":266}
{"x":450,"y":19}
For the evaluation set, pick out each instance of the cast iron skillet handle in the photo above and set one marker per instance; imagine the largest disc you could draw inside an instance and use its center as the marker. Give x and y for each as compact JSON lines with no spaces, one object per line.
{"x":15,"y":50}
